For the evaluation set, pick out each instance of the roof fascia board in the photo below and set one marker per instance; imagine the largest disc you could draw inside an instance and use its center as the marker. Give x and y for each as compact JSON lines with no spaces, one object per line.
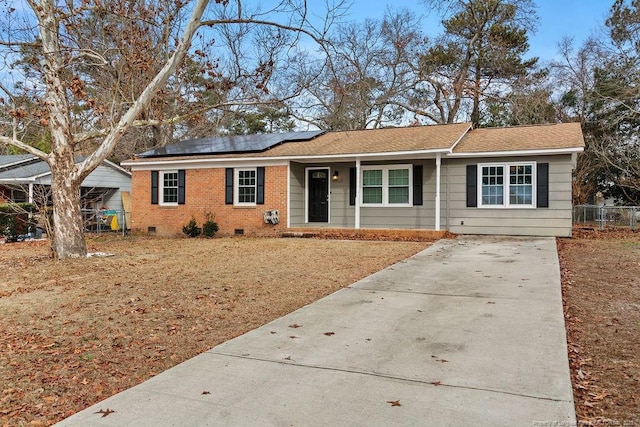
{"x":117,"y":167}
{"x":42,"y":175}
{"x":460,"y":138}
{"x":193,"y":164}
{"x":280,"y":160}
{"x":18,"y":163}
{"x":547,"y":152}
{"x":18,"y":180}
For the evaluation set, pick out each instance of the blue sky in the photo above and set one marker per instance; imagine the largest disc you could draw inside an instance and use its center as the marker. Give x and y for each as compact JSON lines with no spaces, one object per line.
{"x":557,"y":18}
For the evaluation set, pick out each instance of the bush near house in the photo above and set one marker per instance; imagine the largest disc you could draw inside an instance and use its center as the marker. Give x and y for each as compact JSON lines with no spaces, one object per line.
{"x":14,"y":220}
{"x":192,"y":229}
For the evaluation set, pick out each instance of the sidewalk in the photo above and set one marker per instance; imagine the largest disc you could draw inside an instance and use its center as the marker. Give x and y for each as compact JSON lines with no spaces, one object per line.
{"x":467,"y":332}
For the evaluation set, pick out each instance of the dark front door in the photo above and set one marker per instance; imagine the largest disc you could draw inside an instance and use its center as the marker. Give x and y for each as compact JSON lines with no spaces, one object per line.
{"x":319,"y":195}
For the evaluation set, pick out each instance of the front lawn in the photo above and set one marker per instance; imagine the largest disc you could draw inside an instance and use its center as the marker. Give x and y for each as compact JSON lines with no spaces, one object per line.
{"x":75,"y":332}
{"x":601,"y":290}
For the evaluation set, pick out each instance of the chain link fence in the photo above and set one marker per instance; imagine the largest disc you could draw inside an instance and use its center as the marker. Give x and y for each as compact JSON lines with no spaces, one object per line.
{"x":606,"y":216}
{"x":100,"y":220}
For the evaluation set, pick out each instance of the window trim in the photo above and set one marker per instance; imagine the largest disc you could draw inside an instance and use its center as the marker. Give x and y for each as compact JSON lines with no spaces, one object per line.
{"x":506,"y":204}
{"x":161,"y":187}
{"x":236,"y":187}
{"x":385,"y":185}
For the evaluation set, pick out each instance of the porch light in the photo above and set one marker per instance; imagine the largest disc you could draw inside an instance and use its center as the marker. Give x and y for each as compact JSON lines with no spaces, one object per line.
{"x":335,"y":176}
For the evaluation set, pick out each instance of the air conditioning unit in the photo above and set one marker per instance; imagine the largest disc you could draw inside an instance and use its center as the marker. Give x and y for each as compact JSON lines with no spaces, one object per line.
{"x":271,"y":216}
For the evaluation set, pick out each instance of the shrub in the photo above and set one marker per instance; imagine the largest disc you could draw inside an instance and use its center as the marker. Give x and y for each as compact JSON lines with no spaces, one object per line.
{"x":191,"y":229}
{"x":210,"y":227}
{"x":14,"y":220}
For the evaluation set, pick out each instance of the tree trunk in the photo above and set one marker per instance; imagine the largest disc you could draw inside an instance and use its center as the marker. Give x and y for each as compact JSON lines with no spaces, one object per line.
{"x":68,"y":228}
{"x":475,"y":114}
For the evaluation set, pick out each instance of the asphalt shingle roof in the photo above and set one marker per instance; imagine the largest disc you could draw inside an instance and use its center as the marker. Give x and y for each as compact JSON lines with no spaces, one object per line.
{"x":522,"y":138}
{"x":387,"y":140}
{"x":13,"y":158}
{"x":458,"y":138}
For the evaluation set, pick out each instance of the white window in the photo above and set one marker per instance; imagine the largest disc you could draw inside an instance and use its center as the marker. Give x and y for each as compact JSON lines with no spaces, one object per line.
{"x":245,"y":187}
{"x":387,"y":185}
{"x":507,"y":185}
{"x":169,"y":187}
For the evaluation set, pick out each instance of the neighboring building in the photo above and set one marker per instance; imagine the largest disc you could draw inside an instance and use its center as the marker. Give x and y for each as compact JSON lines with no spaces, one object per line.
{"x":514,"y":181}
{"x":27,"y":178}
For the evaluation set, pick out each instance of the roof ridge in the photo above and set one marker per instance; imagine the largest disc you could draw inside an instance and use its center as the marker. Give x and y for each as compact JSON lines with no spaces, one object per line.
{"x":525,"y":126}
{"x":399,"y":127}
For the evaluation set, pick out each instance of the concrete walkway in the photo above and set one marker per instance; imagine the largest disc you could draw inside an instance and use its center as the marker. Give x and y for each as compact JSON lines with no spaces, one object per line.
{"x":467,"y":332}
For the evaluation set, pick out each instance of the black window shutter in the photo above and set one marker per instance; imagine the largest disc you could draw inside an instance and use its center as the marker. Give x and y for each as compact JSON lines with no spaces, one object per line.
{"x":542,"y":175}
{"x":260,"y":186}
{"x":472,"y":186}
{"x":228,"y":186}
{"x":352,"y":186}
{"x":417,"y":185}
{"x":154,"y":187}
{"x":181,"y":179}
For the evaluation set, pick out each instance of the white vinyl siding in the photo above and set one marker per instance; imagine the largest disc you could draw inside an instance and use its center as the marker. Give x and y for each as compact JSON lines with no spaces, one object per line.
{"x":552,"y":221}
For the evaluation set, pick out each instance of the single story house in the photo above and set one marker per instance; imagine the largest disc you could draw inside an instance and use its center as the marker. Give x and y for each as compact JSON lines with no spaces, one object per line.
{"x":27,"y":178}
{"x":510,"y":181}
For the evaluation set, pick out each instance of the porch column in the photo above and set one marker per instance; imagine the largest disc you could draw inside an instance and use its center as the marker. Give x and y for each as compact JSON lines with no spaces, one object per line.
{"x":289,"y":194}
{"x":31,"y":193}
{"x":357,"y":220}
{"x":438,"y":162}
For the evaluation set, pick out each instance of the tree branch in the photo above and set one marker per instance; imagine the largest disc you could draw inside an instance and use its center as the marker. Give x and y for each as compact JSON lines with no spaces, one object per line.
{"x":25,"y":147}
{"x":101,"y":153}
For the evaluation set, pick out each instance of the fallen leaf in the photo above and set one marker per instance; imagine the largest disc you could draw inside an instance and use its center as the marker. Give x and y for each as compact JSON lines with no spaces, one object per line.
{"x":104,"y":412}
{"x":436,"y":382}
{"x":598,"y":396}
{"x":295,"y":325}
{"x":394,"y":402}
{"x":491,"y":302}
{"x":206,"y":392}
{"x":293,"y":336}
{"x":442,"y":360}
{"x":329,"y":333}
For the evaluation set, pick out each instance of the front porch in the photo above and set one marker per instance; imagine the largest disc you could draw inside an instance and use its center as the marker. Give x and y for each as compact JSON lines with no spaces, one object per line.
{"x":394,"y":194}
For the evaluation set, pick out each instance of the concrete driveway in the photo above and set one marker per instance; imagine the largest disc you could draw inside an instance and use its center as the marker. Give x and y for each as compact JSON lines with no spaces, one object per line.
{"x":467,"y":332}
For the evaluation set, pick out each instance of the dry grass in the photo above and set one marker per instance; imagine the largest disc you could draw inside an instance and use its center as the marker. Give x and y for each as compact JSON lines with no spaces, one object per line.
{"x":76,"y":332}
{"x":79,"y":331}
{"x":601,"y":288}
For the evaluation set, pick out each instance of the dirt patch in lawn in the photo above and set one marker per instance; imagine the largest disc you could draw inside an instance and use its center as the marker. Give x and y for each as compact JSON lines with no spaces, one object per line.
{"x":601,"y":289}
{"x":78,"y":331}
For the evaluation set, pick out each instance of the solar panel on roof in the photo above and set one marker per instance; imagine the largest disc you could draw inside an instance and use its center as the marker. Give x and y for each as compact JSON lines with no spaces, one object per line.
{"x":230,"y":144}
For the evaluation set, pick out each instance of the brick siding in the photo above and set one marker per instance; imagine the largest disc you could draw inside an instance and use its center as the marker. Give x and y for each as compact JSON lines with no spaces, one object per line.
{"x":205,"y":192}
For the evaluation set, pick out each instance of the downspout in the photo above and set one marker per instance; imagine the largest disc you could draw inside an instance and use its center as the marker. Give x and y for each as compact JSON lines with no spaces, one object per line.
{"x":438,"y":163}
{"x":357,"y":220}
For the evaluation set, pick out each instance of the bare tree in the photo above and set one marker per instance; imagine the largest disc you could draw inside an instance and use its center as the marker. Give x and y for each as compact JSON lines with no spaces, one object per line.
{"x":369,"y":74}
{"x":60,"y":51}
{"x":480,"y":52}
